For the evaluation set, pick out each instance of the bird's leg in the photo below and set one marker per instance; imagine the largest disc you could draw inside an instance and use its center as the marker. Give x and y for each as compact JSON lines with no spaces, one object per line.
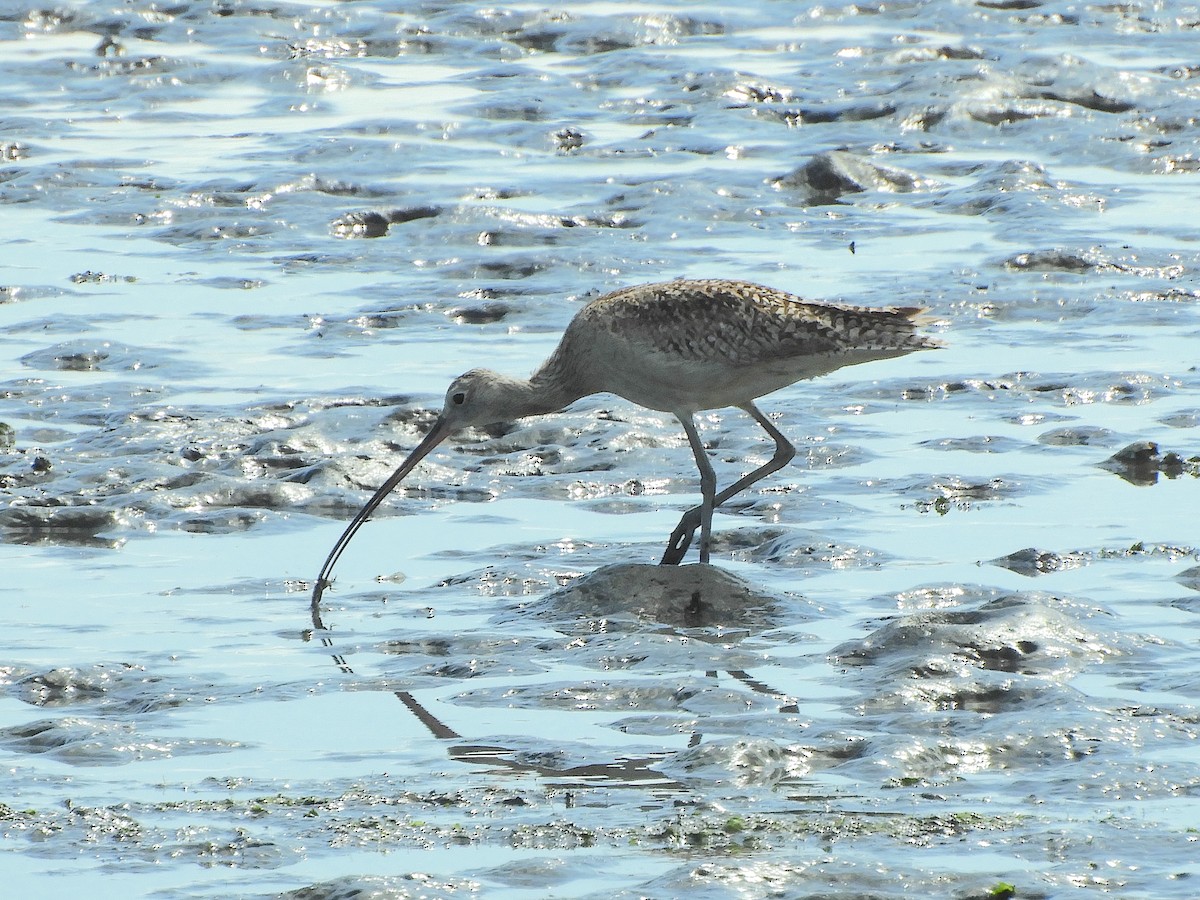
{"x":708,"y":486}
{"x":681,"y":537}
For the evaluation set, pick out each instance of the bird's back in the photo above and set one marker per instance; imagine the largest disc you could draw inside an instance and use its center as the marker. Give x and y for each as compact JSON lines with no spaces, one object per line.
{"x":687,"y":345}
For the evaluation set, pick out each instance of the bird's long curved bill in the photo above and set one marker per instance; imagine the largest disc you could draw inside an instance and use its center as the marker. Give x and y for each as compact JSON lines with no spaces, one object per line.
{"x":438,"y":434}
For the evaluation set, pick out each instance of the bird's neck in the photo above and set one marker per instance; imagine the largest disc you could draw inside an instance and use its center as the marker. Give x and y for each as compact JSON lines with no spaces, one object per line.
{"x":557,"y":384}
{"x":541,"y":394}
{"x":515,"y":398}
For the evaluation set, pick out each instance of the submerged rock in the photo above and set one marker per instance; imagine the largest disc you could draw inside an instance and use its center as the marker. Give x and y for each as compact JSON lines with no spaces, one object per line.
{"x":827,"y":176}
{"x":1032,"y":561}
{"x":1140,"y":462}
{"x":693,"y":596}
{"x":377,"y":223}
{"x":1190,"y":578}
{"x":1030,"y":632}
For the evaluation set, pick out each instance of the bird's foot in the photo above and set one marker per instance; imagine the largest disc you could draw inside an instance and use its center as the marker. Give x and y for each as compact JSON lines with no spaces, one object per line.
{"x":676,"y":550}
{"x":681,"y":538}
{"x":677,"y":546}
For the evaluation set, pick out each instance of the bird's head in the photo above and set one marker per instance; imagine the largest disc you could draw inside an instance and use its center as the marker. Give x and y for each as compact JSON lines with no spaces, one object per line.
{"x":481,"y":397}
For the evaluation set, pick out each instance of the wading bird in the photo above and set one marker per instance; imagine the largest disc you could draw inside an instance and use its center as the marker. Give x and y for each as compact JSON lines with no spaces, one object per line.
{"x":679,"y":347}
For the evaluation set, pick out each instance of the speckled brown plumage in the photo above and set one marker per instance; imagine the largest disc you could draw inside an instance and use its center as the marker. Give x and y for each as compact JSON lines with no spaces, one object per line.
{"x":744,"y":323}
{"x":682,"y":346}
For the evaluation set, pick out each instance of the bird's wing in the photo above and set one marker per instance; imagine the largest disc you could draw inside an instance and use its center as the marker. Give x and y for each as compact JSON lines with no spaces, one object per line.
{"x":742,"y":323}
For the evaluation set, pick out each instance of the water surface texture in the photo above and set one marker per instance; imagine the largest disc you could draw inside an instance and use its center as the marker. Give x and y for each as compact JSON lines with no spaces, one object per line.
{"x":952,"y":647}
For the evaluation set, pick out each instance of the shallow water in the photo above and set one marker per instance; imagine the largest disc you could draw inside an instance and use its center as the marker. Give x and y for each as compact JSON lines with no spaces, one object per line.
{"x":248,"y":244}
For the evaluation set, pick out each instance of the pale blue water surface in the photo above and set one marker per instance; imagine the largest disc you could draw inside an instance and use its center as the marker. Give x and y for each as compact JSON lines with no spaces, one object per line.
{"x":248,"y":244}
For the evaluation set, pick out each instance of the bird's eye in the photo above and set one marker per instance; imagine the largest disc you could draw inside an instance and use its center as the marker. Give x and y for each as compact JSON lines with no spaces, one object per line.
{"x":459,"y":398}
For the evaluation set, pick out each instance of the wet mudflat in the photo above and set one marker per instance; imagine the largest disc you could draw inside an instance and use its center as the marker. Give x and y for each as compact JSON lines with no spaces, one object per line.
{"x":952,"y":647}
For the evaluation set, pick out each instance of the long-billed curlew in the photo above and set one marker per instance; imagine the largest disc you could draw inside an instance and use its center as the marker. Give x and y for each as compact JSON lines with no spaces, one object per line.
{"x":679,"y":347}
